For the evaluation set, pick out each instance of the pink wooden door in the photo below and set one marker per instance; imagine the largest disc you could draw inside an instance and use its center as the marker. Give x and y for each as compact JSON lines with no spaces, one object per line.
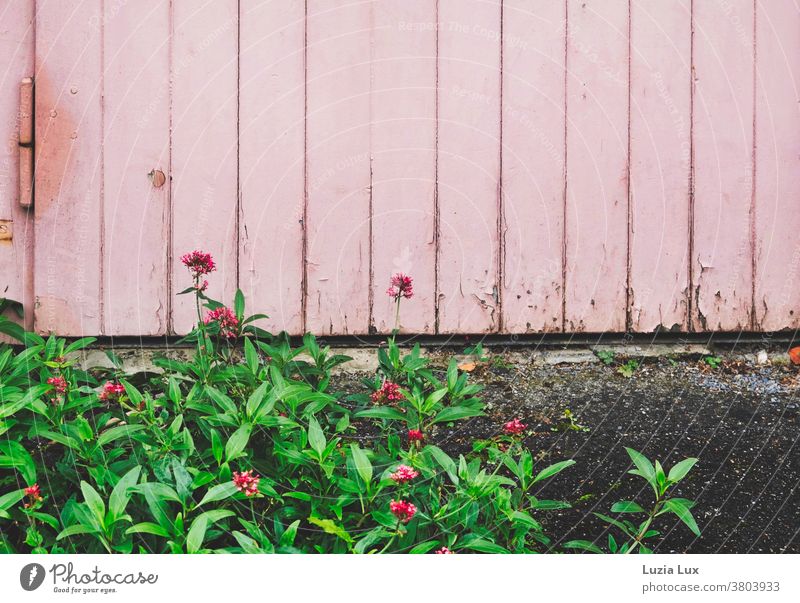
{"x":535,"y":165}
{"x":16,"y":226}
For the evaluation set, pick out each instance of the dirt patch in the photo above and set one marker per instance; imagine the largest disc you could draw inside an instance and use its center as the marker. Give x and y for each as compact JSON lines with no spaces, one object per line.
{"x":739,"y":418}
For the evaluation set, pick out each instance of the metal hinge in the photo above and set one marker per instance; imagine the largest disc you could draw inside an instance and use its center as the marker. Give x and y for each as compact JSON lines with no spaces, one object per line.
{"x":26,"y":141}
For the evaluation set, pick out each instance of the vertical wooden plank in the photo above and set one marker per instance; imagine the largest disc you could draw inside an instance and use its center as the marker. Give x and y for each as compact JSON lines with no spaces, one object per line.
{"x":533,"y":164}
{"x":469,"y":165}
{"x":660,"y":147}
{"x":777,"y":219}
{"x":723,"y":165}
{"x":136,"y":132}
{"x":597,"y":162}
{"x":403,"y":164}
{"x":204,"y":147}
{"x":338,"y":167}
{"x":272,"y":151}
{"x":69,"y":154}
{"x":16,"y":225}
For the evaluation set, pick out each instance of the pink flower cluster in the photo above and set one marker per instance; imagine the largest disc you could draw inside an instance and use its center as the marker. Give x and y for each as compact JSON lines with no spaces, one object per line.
{"x":246,"y":482}
{"x":514,"y":427}
{"x":389,"y":392}
{"x":228,"y":323}
{"x":59,"y":384}
{"x":34,"y":492}
{"x":111,"y":391}
{"x":403,"y":510}
{"x":403,"y":474}
{"x":415,"y":435}
{"x":199,"y":263}
{"x":402,"y":286}
{"x":444,"y":551}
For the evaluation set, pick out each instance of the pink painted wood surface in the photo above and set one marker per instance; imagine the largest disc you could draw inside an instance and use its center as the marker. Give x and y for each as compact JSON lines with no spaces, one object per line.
{"x":777,"y":219}
{"x":69,"y":154}
{"x":660,"y":148}
{"x":533,"y":164}
{"x":723,"y":165}
{"x":403,"y":160}
{"x":16,"y":224}
{"x":204,"y":148}
{"x":597,"y":187}
{"x":272,"y":166}
{"x":469,"y":165}
{"x":338,"y":76}
{"x":136,"y":141}
{"x":347,"y":126}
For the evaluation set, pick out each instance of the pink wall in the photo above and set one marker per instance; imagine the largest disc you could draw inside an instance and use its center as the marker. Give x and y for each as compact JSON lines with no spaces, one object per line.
{"x":536,"y":165}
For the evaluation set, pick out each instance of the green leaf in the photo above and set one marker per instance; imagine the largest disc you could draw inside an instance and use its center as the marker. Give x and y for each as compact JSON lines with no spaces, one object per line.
{"x":79,"y":344}
{"x":644,"y":466}
{"x":424,"y":547}
{"x":680,"y":508}
{"x":117,"y":433}
{"x":382,"y":412}
{"x":147,"y":527}
{"x":20,"y":459}
{"x":219,"y":492}
{"x":75,"y":530}
{"x":362,"y":463}
{"x":626,"y":506}
{"x":222,"y":401}
{"x":9,"y":499}
{"x":237,"y":442}
{"x":454,"y":413}
{"x":197,"y":533}
{"x":287,"y":538}
{"x":216,"y":446}
{"x":679,"y":470}
{"x":238,"y":304}
{"x":250,"y":355}
{"x":33,"y":393}
{"x":482,"y":546}
{"x":552,"y":470}
{"x":255,"y":400}
{"x":94,"y":502}
{"x":316,"y":439}
{"x":448,"y":464}
{"x":331,"y":527}
{"x":584,"y":545}
{"x":120,"y":496}
{"x":526,"y":519}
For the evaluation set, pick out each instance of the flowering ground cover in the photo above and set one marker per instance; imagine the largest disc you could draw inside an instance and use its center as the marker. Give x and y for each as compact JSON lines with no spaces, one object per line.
{"x":739,"y":417}
{"x":250,"y":447}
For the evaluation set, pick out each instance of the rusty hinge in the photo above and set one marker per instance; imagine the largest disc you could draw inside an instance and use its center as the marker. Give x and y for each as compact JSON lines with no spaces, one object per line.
{"x":26,"y":142}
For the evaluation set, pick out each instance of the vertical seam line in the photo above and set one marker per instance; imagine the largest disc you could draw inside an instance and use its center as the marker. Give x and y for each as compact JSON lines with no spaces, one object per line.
{"x":629,"y":210}
{"x":566,"y":150}
{"x":304,"y":234}
{"x":690,"y":295}
{"x":436,"y":209}
{"x":752,"y":217}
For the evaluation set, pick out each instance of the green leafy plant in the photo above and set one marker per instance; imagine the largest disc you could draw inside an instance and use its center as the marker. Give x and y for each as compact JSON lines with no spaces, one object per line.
{"x":606,"y":356}
{"x":628,"y":369}
{"x":636,"y":536}
{"x":568,"y":423}
{"x":246,"y":447}
{"x":713,"y":361}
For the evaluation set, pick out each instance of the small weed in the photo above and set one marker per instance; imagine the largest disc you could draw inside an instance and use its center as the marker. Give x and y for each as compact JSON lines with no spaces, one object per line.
{"x":499,"y":362}
{"x":476,"y":351}
{"x":605,"y":356}
{"x":627,"y":369}
{"x":713,"y":361}
{"x":568,"y":423}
